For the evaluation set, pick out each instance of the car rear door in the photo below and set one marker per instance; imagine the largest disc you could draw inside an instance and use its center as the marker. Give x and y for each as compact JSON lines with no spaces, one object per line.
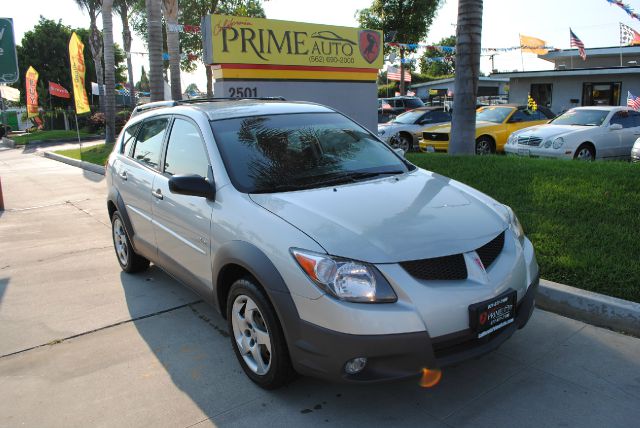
{"x":135,"y":174}
{"x":629,"y":135}
{"x":183,"y":222}
{"x":617,"y":140}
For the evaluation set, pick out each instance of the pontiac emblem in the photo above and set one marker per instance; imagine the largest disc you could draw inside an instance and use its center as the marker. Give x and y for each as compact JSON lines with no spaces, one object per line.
{"x":369,"y":44}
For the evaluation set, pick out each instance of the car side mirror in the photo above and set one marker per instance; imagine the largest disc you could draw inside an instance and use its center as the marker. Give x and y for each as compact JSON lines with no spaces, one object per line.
{"x":192,"y":185}
{"x":424,"y":122}
{"x":615,"y":127}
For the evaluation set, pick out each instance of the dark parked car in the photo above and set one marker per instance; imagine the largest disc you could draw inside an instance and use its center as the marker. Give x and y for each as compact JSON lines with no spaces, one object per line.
{"x":388,"y":108}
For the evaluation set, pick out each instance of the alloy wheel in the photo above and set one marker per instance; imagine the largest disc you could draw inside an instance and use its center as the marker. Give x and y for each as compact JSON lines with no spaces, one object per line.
{"x":483,"y":147}
{"x":584,"y":154}
{"x":120,"y":242}
{"x":251,"y":334}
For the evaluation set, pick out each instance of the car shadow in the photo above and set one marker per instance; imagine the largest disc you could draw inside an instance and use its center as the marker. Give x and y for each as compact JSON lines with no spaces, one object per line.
{"x":191,"y":342}
{"x":4,"y":283}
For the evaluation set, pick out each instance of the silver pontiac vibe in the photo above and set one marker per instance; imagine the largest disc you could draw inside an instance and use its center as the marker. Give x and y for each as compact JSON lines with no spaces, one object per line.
{"x":328,"y":253}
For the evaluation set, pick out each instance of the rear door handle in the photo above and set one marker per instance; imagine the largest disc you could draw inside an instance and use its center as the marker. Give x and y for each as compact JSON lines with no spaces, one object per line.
{"x":123,"y":175}
{"x":157,"y":193}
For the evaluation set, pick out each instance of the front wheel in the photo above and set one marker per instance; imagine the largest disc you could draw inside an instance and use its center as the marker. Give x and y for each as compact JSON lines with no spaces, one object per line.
{"x":402,"y":141}
{"x":256,"y":336}
{"x":585,"y":152}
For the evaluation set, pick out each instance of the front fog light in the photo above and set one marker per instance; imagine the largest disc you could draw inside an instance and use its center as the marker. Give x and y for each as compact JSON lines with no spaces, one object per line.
{"x":355,"y":365}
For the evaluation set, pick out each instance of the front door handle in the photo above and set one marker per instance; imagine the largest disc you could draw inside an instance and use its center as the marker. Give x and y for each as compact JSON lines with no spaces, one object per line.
{"x":157,"y":193}
{"x":123,"y":175}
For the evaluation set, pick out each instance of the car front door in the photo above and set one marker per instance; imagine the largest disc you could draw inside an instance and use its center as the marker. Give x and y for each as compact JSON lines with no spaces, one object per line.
{"x":620,"y":140}
{"x":183,"y":222}
{"x":135,"y":171}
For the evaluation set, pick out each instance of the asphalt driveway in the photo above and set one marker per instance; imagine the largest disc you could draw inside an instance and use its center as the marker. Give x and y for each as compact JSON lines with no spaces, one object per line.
{"x":82,"y":344}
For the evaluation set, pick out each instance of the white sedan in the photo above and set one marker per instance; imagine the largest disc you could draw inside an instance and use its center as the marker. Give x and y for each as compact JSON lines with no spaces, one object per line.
{"x":584,"y":133}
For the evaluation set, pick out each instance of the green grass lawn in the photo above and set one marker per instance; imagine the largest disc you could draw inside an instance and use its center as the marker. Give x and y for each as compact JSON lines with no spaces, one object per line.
{"x":97,"y":154}
{"x":583,"y":218}
{"x":48,"y":135}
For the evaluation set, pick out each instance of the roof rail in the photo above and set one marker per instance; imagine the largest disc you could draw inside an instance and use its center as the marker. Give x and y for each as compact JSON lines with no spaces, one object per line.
{"x":205,"y":99}
{"x":160,"y":104}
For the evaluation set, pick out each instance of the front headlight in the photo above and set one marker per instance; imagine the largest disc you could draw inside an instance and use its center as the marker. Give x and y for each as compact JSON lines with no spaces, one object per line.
{"x":558,"y":142}
{"x":547,"y":143}
{"x":512,"y":139}
{"x":514,"y":224}
{"x":345,"y":279}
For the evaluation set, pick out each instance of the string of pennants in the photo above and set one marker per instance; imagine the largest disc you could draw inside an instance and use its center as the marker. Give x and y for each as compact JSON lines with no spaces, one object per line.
{"x":626,"y":8}
{"x":452,"y":50}
{"x":183,"y":28}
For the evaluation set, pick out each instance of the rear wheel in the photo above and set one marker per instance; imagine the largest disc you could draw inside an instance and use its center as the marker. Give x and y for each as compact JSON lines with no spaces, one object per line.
{"x":130,"y":262}
{"x":257,"y":337}
{"x":485,"y":146}
{"x":585,"y":152}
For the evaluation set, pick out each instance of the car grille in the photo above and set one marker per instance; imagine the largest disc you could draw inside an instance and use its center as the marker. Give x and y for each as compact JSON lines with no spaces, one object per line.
{"x":449,"y":268}
{"x":488,"y":253}
{"x":435,"y":136}
{"x":529,"y":141}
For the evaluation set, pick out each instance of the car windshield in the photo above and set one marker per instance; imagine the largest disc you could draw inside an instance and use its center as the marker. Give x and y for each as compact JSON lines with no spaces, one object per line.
{"x":581,"y":117}
{"x":493,"y":114}
{"x":278,"y":153}
{"x":409,"y":117}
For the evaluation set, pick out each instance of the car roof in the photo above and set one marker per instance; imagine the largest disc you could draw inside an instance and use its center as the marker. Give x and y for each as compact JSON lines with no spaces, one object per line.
{"x":235,"y":108}
{"x":609,"y":108}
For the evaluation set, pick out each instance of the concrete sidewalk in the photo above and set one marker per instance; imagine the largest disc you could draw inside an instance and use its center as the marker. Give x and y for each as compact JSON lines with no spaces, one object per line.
{"x":82,"y":344}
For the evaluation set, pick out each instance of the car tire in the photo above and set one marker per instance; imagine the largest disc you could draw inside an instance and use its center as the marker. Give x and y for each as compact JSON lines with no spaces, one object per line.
{"x":129,"y":260}
{"x":404,"y":142}
{"x":256,"y":336}
{"x":485,"y":146}
{"x":585,"y":152}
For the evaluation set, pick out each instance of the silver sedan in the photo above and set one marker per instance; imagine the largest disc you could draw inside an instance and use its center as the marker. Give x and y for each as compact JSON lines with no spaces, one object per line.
{"x":405,"y":130}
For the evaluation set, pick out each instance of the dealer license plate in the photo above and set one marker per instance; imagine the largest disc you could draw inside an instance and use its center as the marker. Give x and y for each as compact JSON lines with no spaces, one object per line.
{"x":524,"y":152}
{"x":492,"y":315}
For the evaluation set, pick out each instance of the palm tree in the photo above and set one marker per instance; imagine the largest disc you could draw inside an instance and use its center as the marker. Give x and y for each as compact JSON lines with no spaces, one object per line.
{"x":173,"y":46}
{"x":109,"y":72}
{"x":122,"y":8}
{"x":95,"y":43}
{"x":154,"y":30}
{"x":468,"y":35}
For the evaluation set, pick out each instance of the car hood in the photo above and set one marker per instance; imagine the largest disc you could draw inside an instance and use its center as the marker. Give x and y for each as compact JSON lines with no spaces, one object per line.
{"x":411,"y":216}
{"x":550,"y":130}
{"x":391,"y":127}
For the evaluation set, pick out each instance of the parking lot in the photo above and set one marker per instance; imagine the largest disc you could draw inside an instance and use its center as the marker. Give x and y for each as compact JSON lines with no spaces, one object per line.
{"x":83,"y":344}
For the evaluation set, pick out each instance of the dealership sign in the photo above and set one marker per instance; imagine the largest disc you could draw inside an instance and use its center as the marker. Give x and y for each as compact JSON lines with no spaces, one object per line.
{"x":8,"y":58}
{"x":267,"y":49}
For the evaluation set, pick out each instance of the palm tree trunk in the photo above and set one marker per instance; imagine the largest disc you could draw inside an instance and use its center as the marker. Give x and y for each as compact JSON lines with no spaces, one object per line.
{"x":154,"y":28}
{"x":109,"y":72}
{"x":469,"y":33}
{"x":173,"y":47}
{"x":126,"y":41}
{"x":95,"y":44}
{"x":209,"y":81}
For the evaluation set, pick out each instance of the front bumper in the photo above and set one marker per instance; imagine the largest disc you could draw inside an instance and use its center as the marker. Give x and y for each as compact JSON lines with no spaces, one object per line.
{"x":538,"y":152}
{"x":320,"y":352}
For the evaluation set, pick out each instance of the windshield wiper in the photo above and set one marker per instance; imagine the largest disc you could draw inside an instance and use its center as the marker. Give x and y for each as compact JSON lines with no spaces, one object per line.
{"x":343,"y":178}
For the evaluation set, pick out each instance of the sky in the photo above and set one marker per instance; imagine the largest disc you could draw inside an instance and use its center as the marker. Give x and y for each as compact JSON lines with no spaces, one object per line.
{"x":595,"y":22}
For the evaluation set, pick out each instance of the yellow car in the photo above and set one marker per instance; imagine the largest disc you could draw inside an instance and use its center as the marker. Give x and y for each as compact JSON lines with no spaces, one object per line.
{"x":494,"y":124}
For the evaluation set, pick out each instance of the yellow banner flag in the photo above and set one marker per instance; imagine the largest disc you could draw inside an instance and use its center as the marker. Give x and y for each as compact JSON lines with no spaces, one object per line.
{"x":533,"y":45}
{"x":76,"y":57}
{"x":31,"y":79}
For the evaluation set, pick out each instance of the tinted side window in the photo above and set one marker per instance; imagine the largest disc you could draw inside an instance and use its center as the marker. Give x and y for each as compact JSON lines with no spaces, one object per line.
{"x":624,"y":119}
{"x":440,"y":116}
{"x":635,"y":118}
{"x":149,"y":142}
{"x":185,"y":150}
{"x":413,"y":103}
{"x":524,"y":116}
{"x":128,"y":137}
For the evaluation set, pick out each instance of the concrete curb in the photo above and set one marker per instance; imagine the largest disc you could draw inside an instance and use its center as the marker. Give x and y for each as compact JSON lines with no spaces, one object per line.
{"x":587,"y":306}
{"x":75,"y":162}
{"x":45,"y":143}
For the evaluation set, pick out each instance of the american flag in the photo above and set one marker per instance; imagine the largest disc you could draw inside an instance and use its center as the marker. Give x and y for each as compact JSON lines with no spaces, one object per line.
{"x":393,"y":73}
{"x":628,"y":36}
{"x":633,"y":101}
{"x":577,"y":43}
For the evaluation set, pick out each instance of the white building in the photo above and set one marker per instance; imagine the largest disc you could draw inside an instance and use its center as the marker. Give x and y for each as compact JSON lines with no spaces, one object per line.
{"x":603,"y":79}
{"x":487,"y":87}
